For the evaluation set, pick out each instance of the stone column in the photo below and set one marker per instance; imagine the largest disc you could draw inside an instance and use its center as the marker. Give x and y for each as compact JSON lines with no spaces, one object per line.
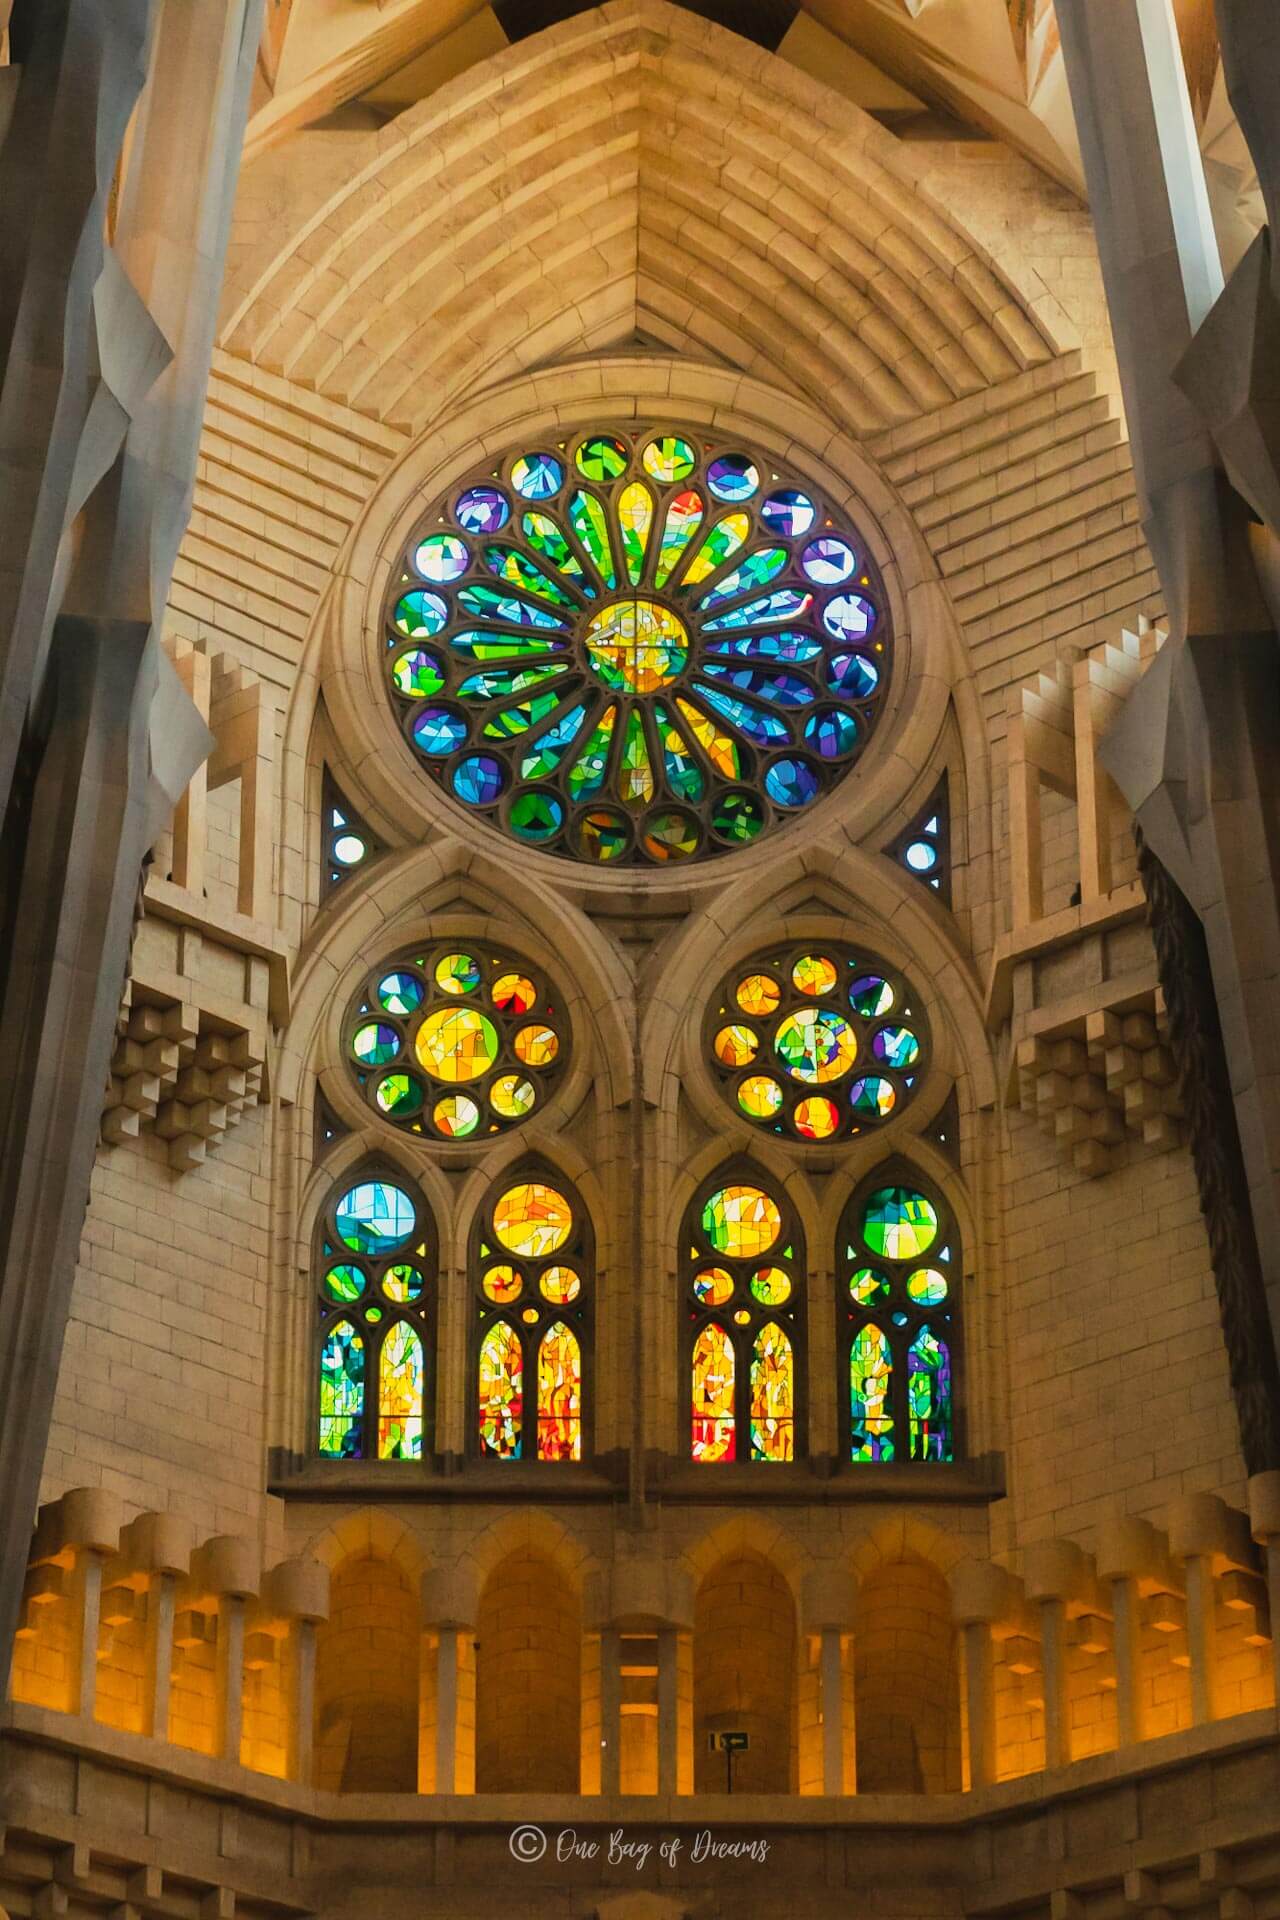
{"x":157,"y":1547}
{"x":981,"y":1595}
{"x":298,"y":1591}
{"x":446,"y":1759}
{"x":1134,"y":1558}
{"x":227,"y":1571}
{"x":1059,"y":1580}
{"x":826,"y":1615}
{"x":645,"y":1600}
{"x":1264,"y":1517}
{"x":90,"y":1524}
{"x":1207,"y":1536}
{"x":610,"y":1712}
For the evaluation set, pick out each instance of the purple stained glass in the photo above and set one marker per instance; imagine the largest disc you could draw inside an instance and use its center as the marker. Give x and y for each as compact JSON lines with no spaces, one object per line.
{"x":828,"y":561}
{"x":831,"y":733}
{"x":849,"y":616}
{"x":733,"y":477}
{"x":791,"y":783}
{"x":478,"y":779}
{"x":438,"y":730}
{"x":789,"y":512}
{"x":853,"y":674}
{"x":482,"y":510}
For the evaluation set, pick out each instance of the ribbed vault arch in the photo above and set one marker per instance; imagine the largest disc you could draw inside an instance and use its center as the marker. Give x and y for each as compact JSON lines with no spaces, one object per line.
{"x":634,"y":169}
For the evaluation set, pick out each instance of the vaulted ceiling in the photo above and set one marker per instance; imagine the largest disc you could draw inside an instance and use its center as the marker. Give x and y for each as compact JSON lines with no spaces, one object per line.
{"x":928,"y":68}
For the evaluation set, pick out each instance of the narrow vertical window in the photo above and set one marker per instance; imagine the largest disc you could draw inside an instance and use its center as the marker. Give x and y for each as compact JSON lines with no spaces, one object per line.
{"x":900,"y":1282}
{"x":533,"y":1261}
{"x":743,"y":1273}
{"x":376,"y":1268}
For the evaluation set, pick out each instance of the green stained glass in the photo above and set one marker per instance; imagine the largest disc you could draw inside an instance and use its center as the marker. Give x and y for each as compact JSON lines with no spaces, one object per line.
{"x":486,"y":603}
{"x":866,"y":1286}
{"x":870,"y":1386}
{"x":720,"y":545}
{"x":670,"y":835}
{"x":684,"y":776}
{"x":636,"y":774}
{"x":498,"y":682}
{"x":586,"y":775}
{"x":669,"y":460}
{"x":929,"y":1397}
{"x":509,"y":565}
{"x":536,"y":816}
{"x":342,"y":1393}
{"x":590,"y":522}
{"x":635,"y":516}
{"x":513,"y":721}
{"x":542,"y":760}
{"x":344,"y":1282}
{"x":402,"y":1284}
{"x":545,"y":537}
{"x":399,"y":1095}
{"x":720,"y":750}
{"x":602,"y":458}
{"x":501,"y":646}
{"x":684,"y":517}
{"x":899,"y":1223}
{"x":738,"y":816}
{"x":603,"y":837}
{"x":757,"y":570}
{"x":417,"y":674}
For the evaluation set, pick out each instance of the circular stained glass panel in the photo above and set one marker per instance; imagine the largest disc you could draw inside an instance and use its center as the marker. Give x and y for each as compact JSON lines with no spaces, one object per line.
{"x":741,"y":1221}
{"x":646,"y":648}
{"x":440,"y":1043}
{"x":836,"y":1043}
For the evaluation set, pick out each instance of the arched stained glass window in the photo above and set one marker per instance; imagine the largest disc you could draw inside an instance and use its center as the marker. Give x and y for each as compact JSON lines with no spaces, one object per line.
{"x":817,"y":1042}
{"x":743,"y":1273}
{"x":533,"y":1263}
{"x":456,"y":1040}
{"x":638,"y":648}
{"x":376,"y":1273}
{"x":899,"y":1283}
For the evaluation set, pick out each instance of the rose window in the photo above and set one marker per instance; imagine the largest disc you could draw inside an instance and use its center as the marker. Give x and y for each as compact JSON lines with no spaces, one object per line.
{"x":636,"y":648}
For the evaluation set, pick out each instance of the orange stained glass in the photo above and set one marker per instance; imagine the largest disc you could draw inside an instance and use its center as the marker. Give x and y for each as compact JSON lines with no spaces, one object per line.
{"x":503,"y":1284}
{"x":559,"y":1395}
{"x":514,"y":993}
{"x":773,"y":1395}
{"x":501,"y":1392}
{"x":560,"y":1285}
{"x":737,"y":1045}
{"x":714,"y":1424}
{"x":532,"y":1220}
{"x":758,"y":995}
{"x":536,"y":1046}
{"x":400,"y":1372}
{"x":457,"y":1043}
{"x":712,"y":1286}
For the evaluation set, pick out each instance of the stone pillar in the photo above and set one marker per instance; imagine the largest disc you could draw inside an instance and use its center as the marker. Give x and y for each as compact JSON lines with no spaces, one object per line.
{"x":668,"y":1711}
{"x":826,"y":1617}
{"x":981,"y":1595}
{"x":1264,"y":1518}
{"x":1059,"y":1581}
{"x":156,"y":1548}
{"x":1134,"y":1558}
{"x":90,"y":1523}
{"x":298,"y":1591}
{"x":610,"y":1712}
{"x":649,"y":1600}
{"x":446,"y":1759}
{"x":1207,"y":1536}
{"x":227,"y":1571}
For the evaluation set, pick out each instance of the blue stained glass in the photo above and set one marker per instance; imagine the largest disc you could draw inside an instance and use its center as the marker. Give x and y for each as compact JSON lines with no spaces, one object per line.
{"x":536,"y":476}
{"x":784,"y":689}
{"x":478,"y":779}
{"x":853,"y":675}
{"x":436,"y":730}
{"x":733,"y":477}
{"x":831,"y":733}
{"x":500,"y":681}
{"x":486,"y":603}
{"x":791,"y":783}
{"x":896,"y":1046}
{"x":792,"y":647}
{"x":788,"y":512}
{"x":482,"y":510}
{"x":828,"y":561}
{"x":374,"y":1217}
{"x":419,"y":614}
{"x":849,"y":616}
{"x":545,"y":757}
{"x":785,"y":604}
{"x":921,"y":857}
{"x":762,"y":727}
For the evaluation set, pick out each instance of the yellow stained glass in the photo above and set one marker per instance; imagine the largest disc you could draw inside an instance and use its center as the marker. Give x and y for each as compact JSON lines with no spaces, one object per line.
{"x":457,"y":1043}
{"x":503,"y":1284}
{"x":736,"y":1046}
{"x":532,"y":1220}
{"x":742,"y":1222}
{"x":719,"y":749}
{"x":712,"y":1286}
{"x":814,"y":973}
{"x":560,"y":1285}
{"x":501,"y":1384}
{"x":400,"y":1372}
{"x":817,"y":1118}
{"x":759,"y":1096}
{"x":636,"y":646}
{"x":758,"y":995}
{"x":514,"y":993}
{"x":536,"y":1046}
{"x":773,"y":1395}
{"x":559,"y":1395}
{"x":771,"y":1286}
{"x":714,"y":1423}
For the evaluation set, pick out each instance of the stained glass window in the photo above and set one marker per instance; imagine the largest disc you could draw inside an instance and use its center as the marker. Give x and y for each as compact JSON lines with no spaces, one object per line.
{"x":456,"y":1040}
{"x":900,"y":1300}
{"x":743,"y":1266}
{"x":924,"y":845}
{"x":817,"y":1042}
{"x":636,"y":648}
{"x":532,"y":1262}
{"x":347,"y":842}
{"x":375,"y":1280}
